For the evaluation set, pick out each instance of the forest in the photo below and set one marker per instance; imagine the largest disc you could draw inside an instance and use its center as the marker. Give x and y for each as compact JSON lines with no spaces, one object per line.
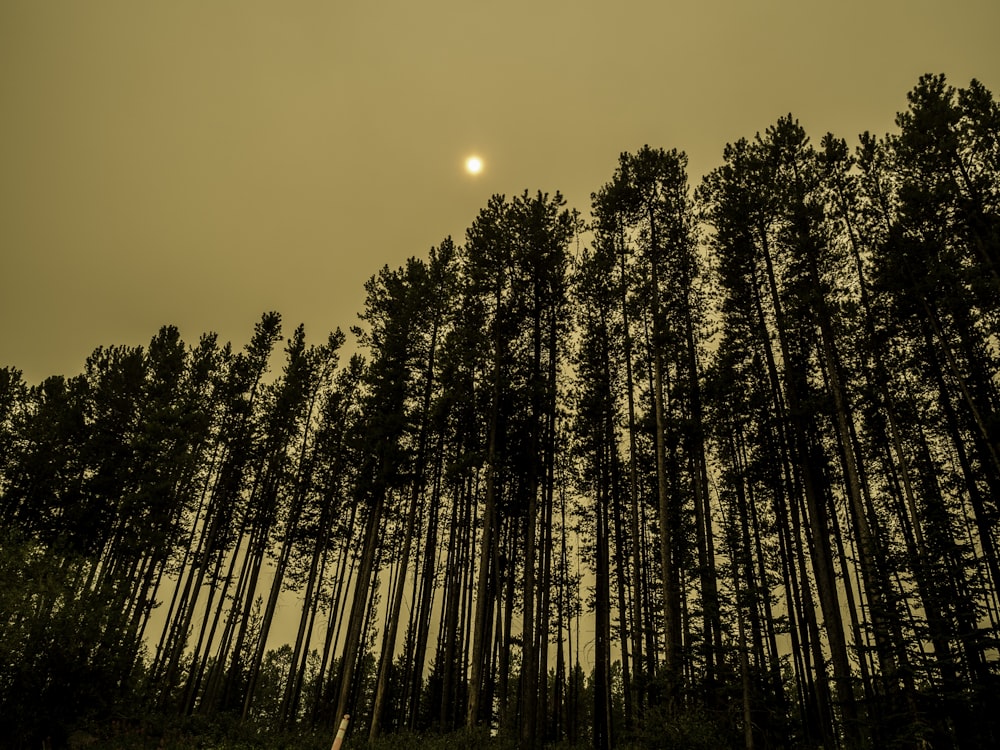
{"x":714,"y":465}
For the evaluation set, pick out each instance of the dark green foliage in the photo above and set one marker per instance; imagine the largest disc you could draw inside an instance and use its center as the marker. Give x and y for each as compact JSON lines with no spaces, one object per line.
{"x":54,"y":675}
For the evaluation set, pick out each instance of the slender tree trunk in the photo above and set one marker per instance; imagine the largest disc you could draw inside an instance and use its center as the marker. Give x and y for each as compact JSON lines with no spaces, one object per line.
{"x":362,"y":585}
{"x":488,"y":544}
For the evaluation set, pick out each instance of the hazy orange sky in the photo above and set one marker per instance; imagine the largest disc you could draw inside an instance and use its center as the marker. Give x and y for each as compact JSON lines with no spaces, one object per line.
{"x":199,"y":162}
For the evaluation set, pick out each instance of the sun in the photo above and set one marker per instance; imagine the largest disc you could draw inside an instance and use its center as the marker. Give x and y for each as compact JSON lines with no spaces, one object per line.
{"x":473,"y":165}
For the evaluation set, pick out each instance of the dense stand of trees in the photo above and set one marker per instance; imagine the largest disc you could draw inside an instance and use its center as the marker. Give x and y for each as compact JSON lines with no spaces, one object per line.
{"x":720,"y":466}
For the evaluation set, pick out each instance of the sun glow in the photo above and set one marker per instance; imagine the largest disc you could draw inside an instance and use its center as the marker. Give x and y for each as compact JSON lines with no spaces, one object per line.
{"x":473,"y":165}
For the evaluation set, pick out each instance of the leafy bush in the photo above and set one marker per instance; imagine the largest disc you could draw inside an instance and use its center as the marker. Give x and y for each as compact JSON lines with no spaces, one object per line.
{"x":58,"y":668}
{"x":688,"y":729}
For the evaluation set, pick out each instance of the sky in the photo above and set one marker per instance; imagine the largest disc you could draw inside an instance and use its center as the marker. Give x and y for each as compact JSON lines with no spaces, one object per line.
{"x":200,"y":162}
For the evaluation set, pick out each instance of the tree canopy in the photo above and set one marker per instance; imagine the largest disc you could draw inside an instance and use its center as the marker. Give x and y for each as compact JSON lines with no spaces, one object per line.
{"x":717,"y":466}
